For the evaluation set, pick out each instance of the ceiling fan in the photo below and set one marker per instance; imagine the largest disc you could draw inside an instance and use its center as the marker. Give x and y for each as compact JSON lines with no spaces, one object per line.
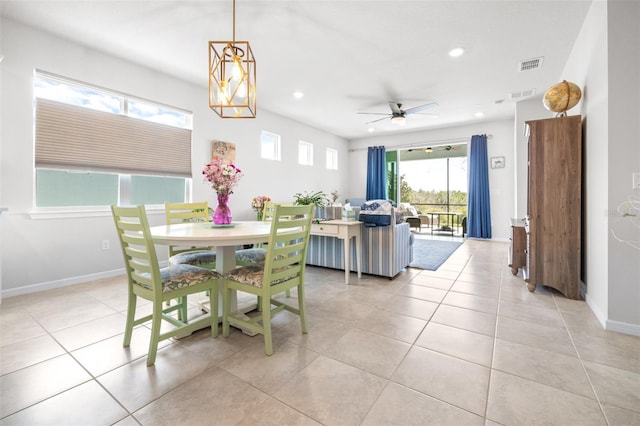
{"x":429,"y":149}
{"x":398,"y":115}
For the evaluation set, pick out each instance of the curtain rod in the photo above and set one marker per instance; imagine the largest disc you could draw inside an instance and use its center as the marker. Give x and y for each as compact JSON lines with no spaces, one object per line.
{"x":453,"y":141}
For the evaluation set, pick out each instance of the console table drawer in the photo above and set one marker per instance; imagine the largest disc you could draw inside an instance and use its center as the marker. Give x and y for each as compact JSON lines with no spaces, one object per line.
{"x":324,"y":229}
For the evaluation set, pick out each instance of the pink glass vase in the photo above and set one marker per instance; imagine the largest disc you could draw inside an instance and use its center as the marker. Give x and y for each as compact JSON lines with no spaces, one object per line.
{"x":222,"y":213}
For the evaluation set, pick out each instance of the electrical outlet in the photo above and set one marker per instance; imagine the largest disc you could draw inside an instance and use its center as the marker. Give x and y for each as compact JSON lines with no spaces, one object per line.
{"x":636,"y":180}
{"x":106,"y":245}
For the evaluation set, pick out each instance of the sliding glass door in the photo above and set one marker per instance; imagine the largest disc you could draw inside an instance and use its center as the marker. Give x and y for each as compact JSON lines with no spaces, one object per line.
{"x":434,"y":179}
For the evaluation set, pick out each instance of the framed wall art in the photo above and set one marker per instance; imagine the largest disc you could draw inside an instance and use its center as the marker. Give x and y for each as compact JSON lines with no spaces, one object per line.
{"x":224,"y":150}
{"x":497,"y":162}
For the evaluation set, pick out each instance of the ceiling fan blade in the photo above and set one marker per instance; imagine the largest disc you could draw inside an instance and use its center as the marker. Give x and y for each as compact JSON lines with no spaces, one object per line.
{"x":420,"y":108}
{"x":423,"y":114}
{"x":379,"y":119}
{"x":375,"y":113}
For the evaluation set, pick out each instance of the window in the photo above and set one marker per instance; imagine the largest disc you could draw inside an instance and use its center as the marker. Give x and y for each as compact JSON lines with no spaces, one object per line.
{"x":305,"y":153}
{"x":332,"y":159}
{"x":270,"y":146}
{"x":94,"y":147}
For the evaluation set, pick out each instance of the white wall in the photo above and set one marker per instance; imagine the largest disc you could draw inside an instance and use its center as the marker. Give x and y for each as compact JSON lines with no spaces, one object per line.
{"x":500,"y":144}
{"x":605,"y":62}
{"x":623,"y":47}
{"x":43,"y":253}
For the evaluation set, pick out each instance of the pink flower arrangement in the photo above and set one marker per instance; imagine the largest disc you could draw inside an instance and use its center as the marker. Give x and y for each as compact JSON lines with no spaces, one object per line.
{"x":222,"y":176}
{"x":258,"y":203}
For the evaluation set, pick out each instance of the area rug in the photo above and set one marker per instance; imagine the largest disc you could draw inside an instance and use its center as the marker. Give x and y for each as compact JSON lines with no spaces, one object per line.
{"x":430,"y":254}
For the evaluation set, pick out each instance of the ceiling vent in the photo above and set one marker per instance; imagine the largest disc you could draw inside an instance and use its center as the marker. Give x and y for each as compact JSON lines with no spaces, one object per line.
{"x":530,"y":64}
{"x":514,"y":96}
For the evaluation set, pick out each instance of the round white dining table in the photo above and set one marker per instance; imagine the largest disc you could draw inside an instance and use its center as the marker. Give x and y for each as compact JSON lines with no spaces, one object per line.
{"x":225,"y":238}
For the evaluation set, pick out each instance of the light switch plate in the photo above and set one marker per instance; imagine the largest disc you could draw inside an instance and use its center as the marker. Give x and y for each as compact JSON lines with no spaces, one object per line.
{"x":636,"y":180}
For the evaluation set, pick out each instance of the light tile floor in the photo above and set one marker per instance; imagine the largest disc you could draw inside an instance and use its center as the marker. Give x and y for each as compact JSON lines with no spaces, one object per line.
{"x":465,"y":345}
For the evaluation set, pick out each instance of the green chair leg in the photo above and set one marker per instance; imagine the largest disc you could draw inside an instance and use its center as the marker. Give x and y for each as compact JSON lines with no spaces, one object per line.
{"x":226,"y":310}
{"x":266,"y":324}
{"x":155,"y":333}
{"x":131,"y":312}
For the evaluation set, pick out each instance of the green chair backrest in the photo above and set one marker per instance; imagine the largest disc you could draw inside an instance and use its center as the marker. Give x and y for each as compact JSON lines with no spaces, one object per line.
{"x":287,"y":248}
{"x":186,"y":212}
{"x":268,"y":210}
{"x":138,"y":249}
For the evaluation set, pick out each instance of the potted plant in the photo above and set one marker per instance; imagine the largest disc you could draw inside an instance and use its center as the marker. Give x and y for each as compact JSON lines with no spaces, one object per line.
{"x":318,"y":198}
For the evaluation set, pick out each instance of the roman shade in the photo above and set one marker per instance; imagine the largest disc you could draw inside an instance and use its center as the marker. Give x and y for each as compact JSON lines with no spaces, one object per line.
{"x":77,"y":138}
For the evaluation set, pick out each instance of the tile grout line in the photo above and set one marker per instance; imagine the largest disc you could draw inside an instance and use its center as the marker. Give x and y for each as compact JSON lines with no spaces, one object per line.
{"x":584,"y":369}
{"x":493,"y":350}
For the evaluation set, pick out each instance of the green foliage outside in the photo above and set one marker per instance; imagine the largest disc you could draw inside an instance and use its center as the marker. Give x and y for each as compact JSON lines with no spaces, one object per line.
{"x":433,"y":201}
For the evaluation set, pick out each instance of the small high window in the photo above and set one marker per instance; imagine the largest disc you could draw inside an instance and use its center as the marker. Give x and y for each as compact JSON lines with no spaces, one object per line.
{"x":332,"y":159}
{"x":305,"y":153}
{"x":270,"y":146}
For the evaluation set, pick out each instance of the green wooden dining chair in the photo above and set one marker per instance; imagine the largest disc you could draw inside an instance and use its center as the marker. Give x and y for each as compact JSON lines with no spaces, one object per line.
{"x":204,"y":257}
{"x":189,"y":212}
{"x":258,"y":253}
{"x":148,"y":281}
{"x":282,"y":270}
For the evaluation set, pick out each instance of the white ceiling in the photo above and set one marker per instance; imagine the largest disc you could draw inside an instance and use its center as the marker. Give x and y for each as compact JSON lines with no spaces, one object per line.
{"x":347,"y":56}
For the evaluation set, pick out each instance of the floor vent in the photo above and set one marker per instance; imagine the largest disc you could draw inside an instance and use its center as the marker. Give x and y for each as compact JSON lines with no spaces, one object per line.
{"x":530,"y":64}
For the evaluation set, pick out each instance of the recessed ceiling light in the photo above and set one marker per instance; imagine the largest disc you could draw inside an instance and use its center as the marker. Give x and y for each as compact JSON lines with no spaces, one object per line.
{"x":298,"y":94}
{"x":479,"y":114}
{"x":458,"y":51}
{"x":371,"y":130}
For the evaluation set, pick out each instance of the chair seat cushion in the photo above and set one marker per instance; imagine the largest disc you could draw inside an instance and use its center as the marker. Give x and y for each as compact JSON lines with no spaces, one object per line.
{"x":179,"y":276}
{"x":196,"y":257}
{"x":252,"y":255}
{"x":253,"y":275}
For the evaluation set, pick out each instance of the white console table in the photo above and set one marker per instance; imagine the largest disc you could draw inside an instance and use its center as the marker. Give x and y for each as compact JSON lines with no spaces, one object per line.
{"x":344,"y":230}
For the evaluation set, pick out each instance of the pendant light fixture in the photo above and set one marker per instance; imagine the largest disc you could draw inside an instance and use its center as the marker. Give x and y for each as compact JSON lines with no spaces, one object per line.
{"x":232,"y":77}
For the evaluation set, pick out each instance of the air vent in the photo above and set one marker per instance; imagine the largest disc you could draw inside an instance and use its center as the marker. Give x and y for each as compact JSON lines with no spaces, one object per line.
{"x":530,"y":64}
{"x":522,"y":94}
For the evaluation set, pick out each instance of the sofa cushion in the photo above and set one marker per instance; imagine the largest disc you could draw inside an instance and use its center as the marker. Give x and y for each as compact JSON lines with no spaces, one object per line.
{"x":376,"y":213}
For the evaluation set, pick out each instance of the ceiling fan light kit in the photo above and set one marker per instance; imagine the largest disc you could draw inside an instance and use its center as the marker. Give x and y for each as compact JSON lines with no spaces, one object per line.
{"x":399,"y":120}
{"x":232,"y":77}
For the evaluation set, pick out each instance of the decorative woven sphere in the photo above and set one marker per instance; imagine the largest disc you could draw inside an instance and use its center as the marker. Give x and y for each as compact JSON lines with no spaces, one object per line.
{"x":562,"y":97}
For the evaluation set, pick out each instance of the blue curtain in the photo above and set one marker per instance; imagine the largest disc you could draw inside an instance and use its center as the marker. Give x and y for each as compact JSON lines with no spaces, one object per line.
{"x":479,"y":218}
{"x":376,"y":173}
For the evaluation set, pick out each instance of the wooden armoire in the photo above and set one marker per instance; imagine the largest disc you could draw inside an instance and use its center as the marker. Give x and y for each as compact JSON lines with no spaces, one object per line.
{"x":554,"y":215}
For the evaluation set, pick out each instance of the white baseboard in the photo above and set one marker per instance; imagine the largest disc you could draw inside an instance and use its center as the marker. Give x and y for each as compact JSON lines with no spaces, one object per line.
{"x":611,"y":325}
{"x":28,"y":289}
{"x":600,"y":316}
{"x":623,"y":327}
{"x":60,"y":283}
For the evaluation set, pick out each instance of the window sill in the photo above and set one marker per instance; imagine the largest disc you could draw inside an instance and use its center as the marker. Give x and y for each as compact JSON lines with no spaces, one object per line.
{"x":82,"y":212}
